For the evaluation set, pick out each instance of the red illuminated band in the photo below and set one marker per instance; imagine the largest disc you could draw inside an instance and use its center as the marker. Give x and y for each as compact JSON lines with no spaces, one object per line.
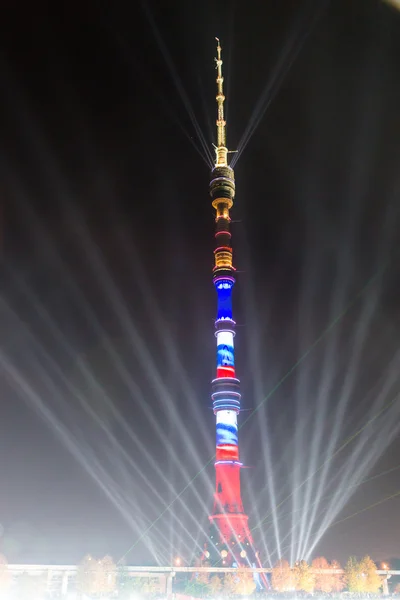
{"x":223,"y":233}
{"x":227,"y":453}
{"x":240,"y":516}
{"x":223,"y":372}
{"x":220,"y":248}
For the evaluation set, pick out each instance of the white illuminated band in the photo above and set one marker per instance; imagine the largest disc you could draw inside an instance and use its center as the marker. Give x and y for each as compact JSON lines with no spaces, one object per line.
{"x":233,"y":333}
{"x":225,"y":338}
{"x":228,"y":462}
{"x":222,"y":278}
{"x":226,"y":405}
{"x":225,"y":319}
{"x":227,"y":417}
{"x":228,"y":380}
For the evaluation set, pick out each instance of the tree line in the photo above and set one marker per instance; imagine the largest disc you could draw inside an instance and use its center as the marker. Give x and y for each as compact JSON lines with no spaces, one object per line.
{"x":358,"y":576}
{"x":99,"y":578}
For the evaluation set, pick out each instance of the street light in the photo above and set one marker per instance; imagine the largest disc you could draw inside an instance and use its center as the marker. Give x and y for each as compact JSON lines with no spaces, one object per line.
{"x":178,"y":561}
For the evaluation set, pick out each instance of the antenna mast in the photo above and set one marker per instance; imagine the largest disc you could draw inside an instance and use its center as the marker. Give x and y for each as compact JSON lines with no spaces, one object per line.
{"x":221,"y":149}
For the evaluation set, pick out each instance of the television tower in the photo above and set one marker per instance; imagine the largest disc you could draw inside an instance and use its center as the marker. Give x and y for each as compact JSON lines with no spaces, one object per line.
{"x":230,"y":538}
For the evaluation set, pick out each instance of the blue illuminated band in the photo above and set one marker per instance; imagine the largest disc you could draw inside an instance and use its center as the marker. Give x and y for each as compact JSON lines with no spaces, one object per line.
{"x":224,"y":287}
{"x":226,"y":404}
{"x":224,"y":307}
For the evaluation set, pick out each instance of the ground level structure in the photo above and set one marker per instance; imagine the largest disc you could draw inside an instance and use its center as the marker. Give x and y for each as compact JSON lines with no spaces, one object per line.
{"x":60,"y":577}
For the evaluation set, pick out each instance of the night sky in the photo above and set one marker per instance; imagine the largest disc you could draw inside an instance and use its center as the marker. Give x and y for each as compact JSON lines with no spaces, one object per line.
{"x":107,"y":304}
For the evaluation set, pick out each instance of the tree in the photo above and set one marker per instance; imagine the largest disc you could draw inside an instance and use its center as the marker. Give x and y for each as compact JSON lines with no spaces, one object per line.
{"x":245,"y":584}
{"x":339,"y":582}
{"x":304,"y":578}
{"x":96,"y":577}
{"x":84,"y":575}
{"x":282,"y":579}
{"x":215,"y":585}
{"x":199,"y":582}
{"x":229,"y":583}
{"x":240,"y":583}
{"x":327,"y":582}
{"x":354,"y":576}
{"x":361,"y":577}
{"x":323,"y":581}
{"x":372,"y":581}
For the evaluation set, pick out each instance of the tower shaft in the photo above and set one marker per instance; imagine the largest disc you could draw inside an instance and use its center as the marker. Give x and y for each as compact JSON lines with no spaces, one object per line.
{"x":231,"y":540}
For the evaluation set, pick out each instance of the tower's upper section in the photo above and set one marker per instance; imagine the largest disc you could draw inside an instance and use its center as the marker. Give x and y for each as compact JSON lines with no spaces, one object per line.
{"x":221,"y":150}
{"x":222,"y":186}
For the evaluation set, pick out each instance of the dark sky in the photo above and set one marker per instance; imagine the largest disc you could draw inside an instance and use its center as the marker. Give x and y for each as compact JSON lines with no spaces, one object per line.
{"x":107,"y":305}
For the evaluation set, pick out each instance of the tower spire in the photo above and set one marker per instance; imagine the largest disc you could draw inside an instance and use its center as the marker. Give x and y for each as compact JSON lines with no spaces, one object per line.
{"x":221,"y":149}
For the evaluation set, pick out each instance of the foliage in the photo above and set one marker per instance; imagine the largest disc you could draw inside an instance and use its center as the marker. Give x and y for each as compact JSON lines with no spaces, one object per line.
{"x":323,"y":581}
{"x":229,"y":583}
{"x":361,"y":577}
{"x":372,"y":581}
{"x":199,"y":583}
{"x":5,"y":575}
{"x":339,"y":582}
{"x":353,"y":576}
{"x":245,"y":584}
{"x":303,"y":577}
{"x":194,"y":588}
{"x":327,"y":582}
{"x":282,"y":578}
{"x":131,"y":585}
{"x":96,"y":577}
{"x":203,"y":578}
{"x":240,"y":583}
{"x":215,"y":585}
